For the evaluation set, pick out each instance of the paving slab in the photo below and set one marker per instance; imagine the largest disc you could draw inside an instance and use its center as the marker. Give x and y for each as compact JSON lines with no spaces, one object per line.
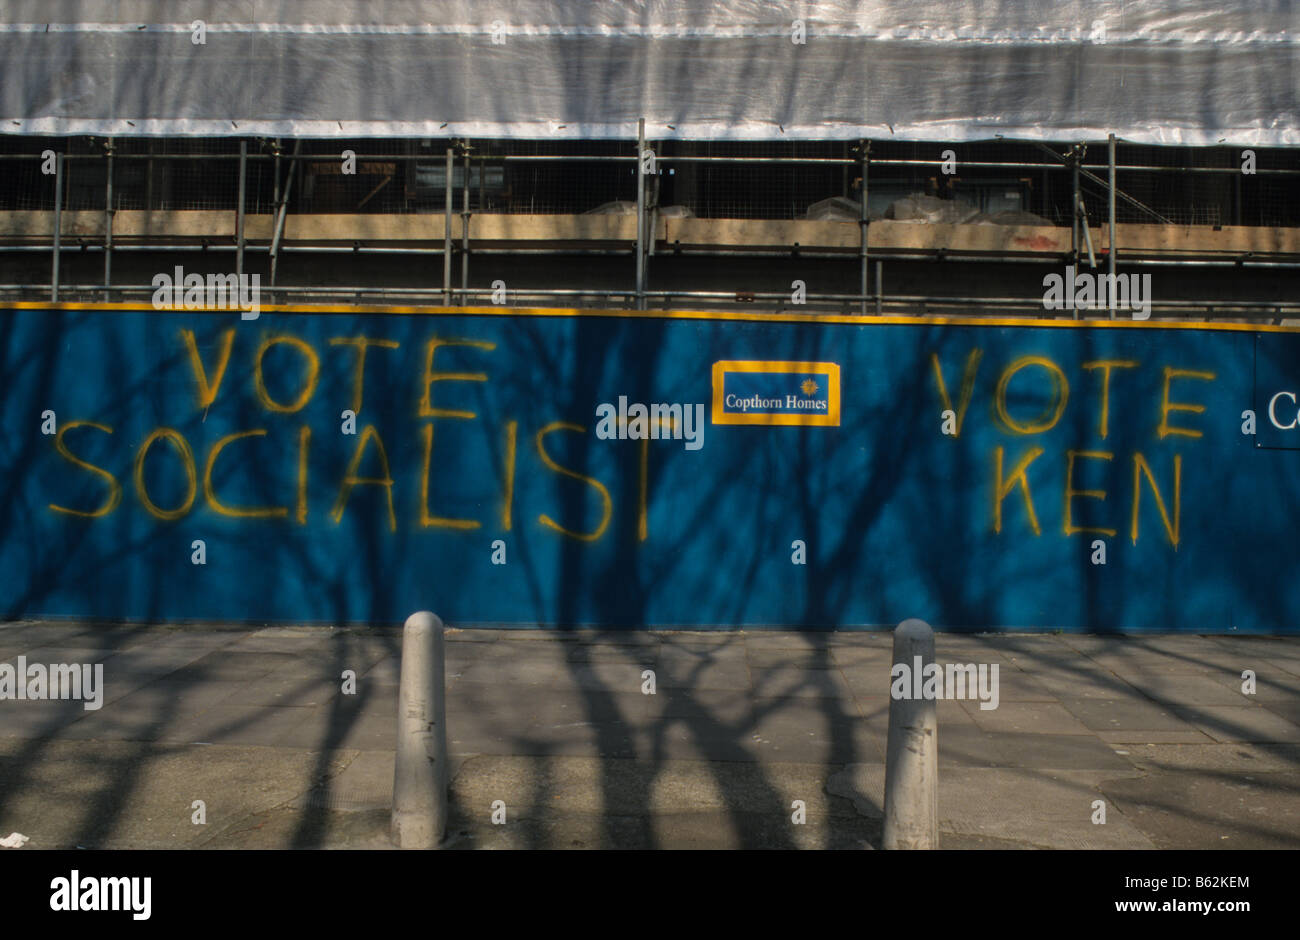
{"x":1045,"y":809}
{"x":224,"y":666}
{"x":1082,"y":681}
{"x":38,"y":719}
{"x":151,"y":662}
{"x":799,"y":681}
{"x":1191,"y":691}
{"x":297,"y":692}
{"x":33,"y":635}
{"x":132,"y":795}
{"x":1130,"y":714}
{"x":1242,"y":723}
{"x":785,"y":640}
{"x":596,"y":786}
{"x":455,"y":635}
{"x":797,"y":739}
{"x":733,"y":707}
{"x":522,"y":672}
{"x":703,"y":674}
{"x":1016,"y":685}
{"x":870,"y":657}
{"x":847,"y":639}
{"x":234,"y":725}
{"x":1044,"y":751}
{"x":1215,"y":759}
{"x":1272,"y":686}
{"x":867,"y":680}
{"x":48,"y":653}
{"x":1027,"y":717}
{"x":699,"y":741}
{"x":962,"y":746}
{"x":1146,"y":737}
{"x":707,"y":640}
{"x":1288,"y":709}
{"x":163,"y":637}
{"x":169,"y":697}
{"x":328,"y":729}
{"x":1248,"y":811}
{"x":741,"y":725}
{"x":645,"y":655}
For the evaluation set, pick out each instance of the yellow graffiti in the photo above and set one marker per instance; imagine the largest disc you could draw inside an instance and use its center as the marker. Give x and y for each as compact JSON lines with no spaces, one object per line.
{"x":308,"y":386}
{"x":182,"y":446}
{"x":426,"y":403}
{"x":351,"y":479}
{"x":238,"y":512}
{"x":1071,"y":492}
{"x":1106,"y":365}
{"x":507,"y":504}
{"x":362,"y":343}
{"x":967,"y":385}
{"x":1167,"y":406}
{"x":304,"y":441}
{"x":642,"y":522}
{"x":1140,"y":465}
{"x":1002,"y":488}
{"x":1060,"y":390}
{"x":114,"y":487}
{"x":607,"y":504}
{"x":208,"y":389}
{"x":427,"y":520}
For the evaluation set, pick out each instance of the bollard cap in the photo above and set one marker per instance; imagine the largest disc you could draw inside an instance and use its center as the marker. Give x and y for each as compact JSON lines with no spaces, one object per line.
{"x":913,"y":629}
{"x":424,"y":619}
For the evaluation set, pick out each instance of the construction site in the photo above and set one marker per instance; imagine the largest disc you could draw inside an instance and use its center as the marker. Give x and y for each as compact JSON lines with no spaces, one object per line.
{"x":946,"y":227}
{"x":597,"y":425}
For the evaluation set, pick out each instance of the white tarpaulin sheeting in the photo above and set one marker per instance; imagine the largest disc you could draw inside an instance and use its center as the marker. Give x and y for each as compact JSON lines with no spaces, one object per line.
{"x":1177,"y":72}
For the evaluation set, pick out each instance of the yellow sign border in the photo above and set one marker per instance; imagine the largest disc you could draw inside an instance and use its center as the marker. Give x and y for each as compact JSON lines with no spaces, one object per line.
{"x":829,"y":369}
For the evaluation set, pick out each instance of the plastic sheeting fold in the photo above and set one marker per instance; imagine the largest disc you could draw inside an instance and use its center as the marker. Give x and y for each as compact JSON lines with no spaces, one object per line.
{"x":1194,"y":72}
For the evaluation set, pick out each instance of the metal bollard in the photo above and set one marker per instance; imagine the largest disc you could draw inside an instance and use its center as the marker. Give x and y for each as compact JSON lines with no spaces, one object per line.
{"x":912,"y":754}
{"x":420,"y":776}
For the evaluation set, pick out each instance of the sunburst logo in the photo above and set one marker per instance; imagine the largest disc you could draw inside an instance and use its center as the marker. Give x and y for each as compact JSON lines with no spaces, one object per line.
{"x":809,"y":387}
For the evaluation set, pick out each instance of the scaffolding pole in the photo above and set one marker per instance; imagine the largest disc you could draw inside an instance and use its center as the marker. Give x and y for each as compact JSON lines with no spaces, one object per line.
{"x":863,"y":221}
{"x":1074,"y":206}
{"x":879,"y":282}
{"x":809,"y":161}
{"x":281,"y":211}
{"x":640,"y":214}
{"x":58,"y":226}
{"x":464,"y":227}
{"x":1261,"y":310}
{"x":1079,"y":168}
{"x":108,"y":222}
{"x":1075,"y":159}
{"x":1110,"y":255}
{"x":446,"y":241}
{"x":239,"y":210}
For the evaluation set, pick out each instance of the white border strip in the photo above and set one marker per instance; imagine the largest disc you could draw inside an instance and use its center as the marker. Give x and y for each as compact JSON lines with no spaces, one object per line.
{"x":657,"y":130}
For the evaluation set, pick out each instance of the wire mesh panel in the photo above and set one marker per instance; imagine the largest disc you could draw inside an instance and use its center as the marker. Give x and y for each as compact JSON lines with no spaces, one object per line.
{"x":715,"y":179}
{"x":732,"y":180}
{"x":23,"y":184}
{"x":997,"y":181}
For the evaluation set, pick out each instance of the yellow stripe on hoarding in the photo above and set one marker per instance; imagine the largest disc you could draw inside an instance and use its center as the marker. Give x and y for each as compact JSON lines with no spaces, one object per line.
{"x":853,"y":320}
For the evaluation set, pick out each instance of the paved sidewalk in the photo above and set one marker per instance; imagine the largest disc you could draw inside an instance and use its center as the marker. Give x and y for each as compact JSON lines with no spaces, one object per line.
{"x":555,"y":725}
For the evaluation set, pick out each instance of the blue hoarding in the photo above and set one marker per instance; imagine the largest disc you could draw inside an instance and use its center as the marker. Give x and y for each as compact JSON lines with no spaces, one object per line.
{"x":542,"y":468}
